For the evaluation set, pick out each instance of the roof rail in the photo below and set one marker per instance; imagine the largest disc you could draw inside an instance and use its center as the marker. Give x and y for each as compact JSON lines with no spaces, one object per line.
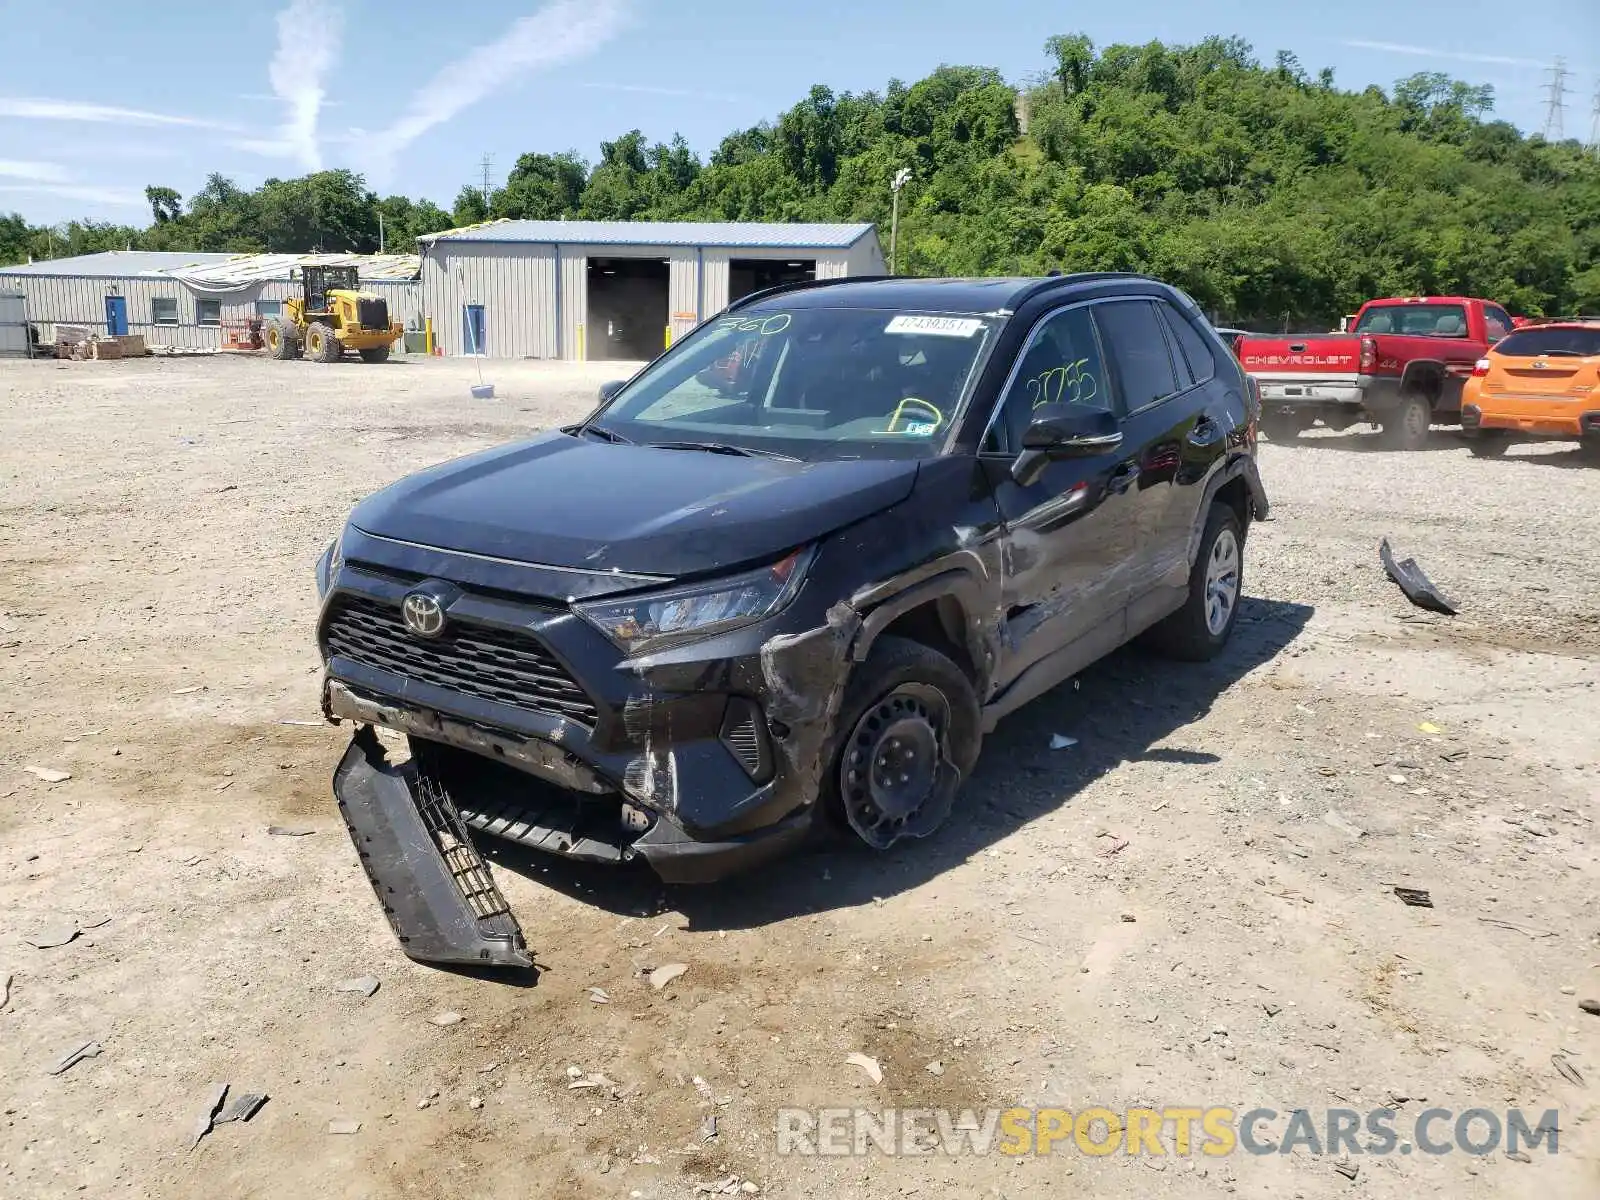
{"x":800,"y":285}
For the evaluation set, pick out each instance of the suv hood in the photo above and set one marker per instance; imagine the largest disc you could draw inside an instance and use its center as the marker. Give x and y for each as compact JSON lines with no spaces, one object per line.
{"x":596,"y":506}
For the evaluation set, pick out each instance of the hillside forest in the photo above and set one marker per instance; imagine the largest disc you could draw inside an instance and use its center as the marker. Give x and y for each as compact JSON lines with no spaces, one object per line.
{"x":1272,"y":195}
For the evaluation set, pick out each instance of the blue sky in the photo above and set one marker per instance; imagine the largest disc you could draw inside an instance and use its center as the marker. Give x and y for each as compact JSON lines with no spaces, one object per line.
{"x":396,"y":89}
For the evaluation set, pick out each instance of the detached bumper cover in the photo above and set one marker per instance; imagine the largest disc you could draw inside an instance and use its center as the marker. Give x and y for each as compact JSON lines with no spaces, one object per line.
{"x":435,"y":889}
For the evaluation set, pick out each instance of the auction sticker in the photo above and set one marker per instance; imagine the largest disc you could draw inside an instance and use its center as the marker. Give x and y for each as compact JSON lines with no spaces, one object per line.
{"x":938,"y":326}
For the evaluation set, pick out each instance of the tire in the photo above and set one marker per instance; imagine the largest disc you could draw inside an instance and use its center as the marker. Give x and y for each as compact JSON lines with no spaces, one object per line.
{"x":1408,"y":426}
{"x":280,"y":340}
{"x":321,"y":345}
{"x":374,"y":354}
{"x":1488,"y":445}
{"x":1201,"y":628}
{"x":908,"y":706}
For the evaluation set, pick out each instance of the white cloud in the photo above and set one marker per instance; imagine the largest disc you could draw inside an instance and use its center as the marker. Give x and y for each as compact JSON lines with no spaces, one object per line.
{"x":558,"y":32}
{"x":308,"y":46}
{"x":75,"y":110}
{"x":1435,"y":52}
{"x":38,"y":172}
{"x":88,"y":192}
{"x":648,"y":90}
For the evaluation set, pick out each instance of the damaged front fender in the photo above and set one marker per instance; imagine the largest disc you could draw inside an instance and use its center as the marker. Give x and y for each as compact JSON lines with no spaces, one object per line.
{"x":434,"y":886}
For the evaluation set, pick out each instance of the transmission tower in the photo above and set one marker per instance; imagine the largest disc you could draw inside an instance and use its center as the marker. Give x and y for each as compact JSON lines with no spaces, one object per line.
{"x":1557,"y":90}
{"x":1594,"y":128}
{"x":487,"y":164}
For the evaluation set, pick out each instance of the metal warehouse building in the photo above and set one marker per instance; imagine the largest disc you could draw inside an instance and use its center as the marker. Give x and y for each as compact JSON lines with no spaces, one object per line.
{"x":185,"y":299}
{"x":614,"y":289}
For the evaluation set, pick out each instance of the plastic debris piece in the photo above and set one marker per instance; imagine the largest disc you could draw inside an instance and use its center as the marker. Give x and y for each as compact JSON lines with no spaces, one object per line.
{"x":869,"y":1065}
{"x":445,"y":1019}
{"x":1414,"y":582}
{"x":286,"y":831}
{"x":1429,"y":727}
{"x":1060,"y":741}
{"x":208,"y":1117}
{"x":73,"y":1057}
{"x":344,"y":1126}
{"x":1415,"y":897}
{"x":242,"y":1107}
{"x":365,"y":984}
{"x":599,"y":995}
{"x":56,"y":931}
{"x":1566,"y":1069}
{"x":50,"y":774}
{"x":666,"y":973}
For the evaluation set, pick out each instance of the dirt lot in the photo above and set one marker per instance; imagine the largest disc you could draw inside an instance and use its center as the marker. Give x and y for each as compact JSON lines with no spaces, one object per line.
{"x":158,"y":524}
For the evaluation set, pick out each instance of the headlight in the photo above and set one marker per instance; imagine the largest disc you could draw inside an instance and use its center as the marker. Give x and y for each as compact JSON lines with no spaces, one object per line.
{"x":328,"y":565}
{"x":699,"y":610}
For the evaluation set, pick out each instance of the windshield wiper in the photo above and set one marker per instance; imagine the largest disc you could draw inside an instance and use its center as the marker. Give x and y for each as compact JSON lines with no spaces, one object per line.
{"x":1557,"y":354}
{"x":604,"y":434}
{"x":724,"y":448}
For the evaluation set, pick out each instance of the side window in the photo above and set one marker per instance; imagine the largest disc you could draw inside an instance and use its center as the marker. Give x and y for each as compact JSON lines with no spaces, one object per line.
{"x":164,"y":310}
{"x":1496,"y":323}
{"x":1193,"y":348}
{"x":1060,"y":364}
{"x":1137,"y":350}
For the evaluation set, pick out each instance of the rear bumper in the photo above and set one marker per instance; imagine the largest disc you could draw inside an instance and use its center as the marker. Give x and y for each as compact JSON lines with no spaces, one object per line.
{"x":1581,"y":425}
{"x":1282,"y":394}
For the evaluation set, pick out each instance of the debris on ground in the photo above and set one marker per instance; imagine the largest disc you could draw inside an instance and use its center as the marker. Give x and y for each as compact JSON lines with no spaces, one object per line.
{"x":1566,"y":1070}
{"x":5,"y":988}
{"x":49,"y":774}
{"x":1525,"y":930}
{"x":445,"y":1019}
{"x":56,"y":931}
{"x":365,"y":984}
{"x":708,"y":1127}
{"x":935,"y":1068}
{"x":870,"y":1065}
{"x":242,"y":1107}
{"x":666,"y":973}
{"x":1590,"y":1006}
{"x":1060,"y":741}
{"x":1338,"y":820}
{"x":1429,"y":727}
{"x":599,"y":995}
{"x":344,"y":1126}
{"x":208,"y":1115}
{"x":73,"y":1057}
{"x":1414,"y":582}
{"x":1415,"y":897}
{"x":286,"y":831}
{"x":1116,"y":846}
{"x":1348,"y":1170}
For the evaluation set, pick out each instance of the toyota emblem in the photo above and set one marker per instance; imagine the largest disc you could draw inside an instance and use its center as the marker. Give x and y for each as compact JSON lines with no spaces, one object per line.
{"x":423,"y":614}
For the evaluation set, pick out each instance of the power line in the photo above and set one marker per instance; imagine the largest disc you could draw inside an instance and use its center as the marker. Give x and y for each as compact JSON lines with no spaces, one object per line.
{"x":1555,"y":111}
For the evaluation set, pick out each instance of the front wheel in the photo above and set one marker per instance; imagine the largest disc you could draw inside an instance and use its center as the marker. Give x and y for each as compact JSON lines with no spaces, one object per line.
{"x":1198,"y":630}
{"x":908,"y":735}
{"x":321,"y":344}
{"x":374,"y":354}
{"x":1407,"y":427}
{"x":279,"y":341}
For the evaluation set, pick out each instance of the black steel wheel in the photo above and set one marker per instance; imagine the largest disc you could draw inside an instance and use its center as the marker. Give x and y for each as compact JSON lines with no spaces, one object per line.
{"x":908,"y":734}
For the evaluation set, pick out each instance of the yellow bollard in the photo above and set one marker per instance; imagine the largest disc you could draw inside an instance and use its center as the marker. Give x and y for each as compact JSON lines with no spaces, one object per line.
{"x":582,"y":357}
{"x":668,"y":345}
{"x":427,"y":336}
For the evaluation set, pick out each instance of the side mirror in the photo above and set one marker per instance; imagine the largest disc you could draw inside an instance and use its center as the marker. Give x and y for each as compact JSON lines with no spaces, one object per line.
{"x":1064,"y":431}
{"x":610,"y":388}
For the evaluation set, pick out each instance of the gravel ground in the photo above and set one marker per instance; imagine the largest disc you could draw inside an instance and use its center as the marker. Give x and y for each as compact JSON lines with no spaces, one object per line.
{"x":1244,"y":948}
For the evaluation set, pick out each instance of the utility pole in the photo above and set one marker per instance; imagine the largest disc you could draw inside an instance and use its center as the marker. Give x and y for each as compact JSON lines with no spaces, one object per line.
{"x":380,"y":231}
{"x":1594,"y":128}
{"x":1555,"y":110}
{"x":488,"y":161}
{"x":901,"y":177}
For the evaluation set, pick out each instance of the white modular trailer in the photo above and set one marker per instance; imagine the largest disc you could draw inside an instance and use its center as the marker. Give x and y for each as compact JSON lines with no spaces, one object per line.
{"x":586,"y":290}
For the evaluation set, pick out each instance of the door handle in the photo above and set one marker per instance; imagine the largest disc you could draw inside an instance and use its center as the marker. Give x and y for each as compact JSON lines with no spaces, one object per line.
{"x":1123,"y":477}
{"x":1206,"y":432}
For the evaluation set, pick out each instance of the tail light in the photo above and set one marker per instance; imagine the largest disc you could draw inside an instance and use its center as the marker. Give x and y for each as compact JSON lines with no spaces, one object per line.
{"x":1480,"y":368}
{"x":1369,"y":353}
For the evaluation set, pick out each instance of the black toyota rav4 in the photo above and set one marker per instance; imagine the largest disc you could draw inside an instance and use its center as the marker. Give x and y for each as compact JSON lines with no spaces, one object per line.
{"x":781,"y":581}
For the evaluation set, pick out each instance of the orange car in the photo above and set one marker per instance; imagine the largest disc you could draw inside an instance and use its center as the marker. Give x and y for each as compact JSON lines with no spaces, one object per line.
{"x":1540,"y":381}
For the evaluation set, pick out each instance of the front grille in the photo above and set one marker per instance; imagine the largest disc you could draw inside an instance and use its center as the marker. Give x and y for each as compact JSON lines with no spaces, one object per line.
{"x":475,"y":660}
{"x":373,"y":314}
{"x":742,"y":734}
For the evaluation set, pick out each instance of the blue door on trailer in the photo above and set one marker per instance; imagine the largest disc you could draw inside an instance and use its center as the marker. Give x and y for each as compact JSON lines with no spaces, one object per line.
{"x":117,"y":316}
{"x":474,"y":343}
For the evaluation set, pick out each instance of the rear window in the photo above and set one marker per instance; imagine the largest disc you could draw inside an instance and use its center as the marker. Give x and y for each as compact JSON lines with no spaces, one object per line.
{"x":1426,"y":320}
{"x":1568,"y":342}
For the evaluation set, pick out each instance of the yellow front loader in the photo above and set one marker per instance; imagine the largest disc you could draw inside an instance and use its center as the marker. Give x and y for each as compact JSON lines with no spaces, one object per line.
{"x":331,"y":315}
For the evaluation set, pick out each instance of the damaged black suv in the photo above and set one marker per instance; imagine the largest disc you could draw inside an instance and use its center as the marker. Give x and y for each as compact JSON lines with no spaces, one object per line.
{"x":782,"y":580}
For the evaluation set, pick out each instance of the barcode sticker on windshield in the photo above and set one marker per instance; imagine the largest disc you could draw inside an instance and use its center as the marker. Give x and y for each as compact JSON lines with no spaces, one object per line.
{"x":938,"y":326}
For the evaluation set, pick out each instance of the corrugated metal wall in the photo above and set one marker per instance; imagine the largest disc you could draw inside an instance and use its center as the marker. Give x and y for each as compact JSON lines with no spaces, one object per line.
{"x":515,"y":284}
{"x":78,"y":300}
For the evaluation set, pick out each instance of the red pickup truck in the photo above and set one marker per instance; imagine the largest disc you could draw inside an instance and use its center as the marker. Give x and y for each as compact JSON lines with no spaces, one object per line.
{"x":1401,"y":366}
